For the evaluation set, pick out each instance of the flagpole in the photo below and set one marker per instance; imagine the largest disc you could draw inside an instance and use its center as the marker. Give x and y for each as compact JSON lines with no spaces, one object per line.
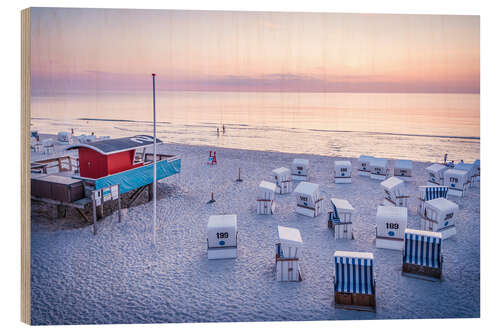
{"x":154,"y":161}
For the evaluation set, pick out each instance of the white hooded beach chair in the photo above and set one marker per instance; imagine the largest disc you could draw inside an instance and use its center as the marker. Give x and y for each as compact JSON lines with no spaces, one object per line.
{"x":426,"y":193}
{"x":456,"y":180}
{"x":469,"y":167}
{"x":364,"y":165}
{"x":396,"y":192}
{"x":403,"y":169}
{"x":435,"y":173}
{"x":222,"y":237}
{"x":391,"y":224}
{"x":422,"y":254}
{"x":440,"y":216}
{"x":354,"y":281}
{"x":340,"y":218}
{"x":477,"y":171}
{"x":342,"y":172}
{"x":300,"y":169}
{"x":288,"y":251}
{"x":283,"y":180}
{"x":48,"y":146}
{"x":309,"y":202}
{"x":265,"y":199}
{"x":379,"y":168}
{"x":64,"y":137}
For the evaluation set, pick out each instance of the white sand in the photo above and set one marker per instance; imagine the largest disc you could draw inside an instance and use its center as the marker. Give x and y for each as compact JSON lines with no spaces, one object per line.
{"x":119,"y":277}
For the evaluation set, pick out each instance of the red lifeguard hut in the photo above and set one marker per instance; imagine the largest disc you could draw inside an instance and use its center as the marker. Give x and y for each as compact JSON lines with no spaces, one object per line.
{"x":103,"y":158}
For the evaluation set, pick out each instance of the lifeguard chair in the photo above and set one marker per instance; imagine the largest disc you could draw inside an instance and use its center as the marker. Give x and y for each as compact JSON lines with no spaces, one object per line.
{"x":212,"y":158}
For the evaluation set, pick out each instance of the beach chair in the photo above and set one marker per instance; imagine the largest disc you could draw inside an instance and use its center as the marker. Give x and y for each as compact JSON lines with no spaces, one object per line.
{"x":354,"y":281}
{"x":422,"y":256}
{"x":340,"y":219}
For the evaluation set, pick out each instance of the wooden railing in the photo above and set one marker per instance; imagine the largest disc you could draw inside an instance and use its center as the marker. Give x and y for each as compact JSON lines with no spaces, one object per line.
{"x":62,"y":163}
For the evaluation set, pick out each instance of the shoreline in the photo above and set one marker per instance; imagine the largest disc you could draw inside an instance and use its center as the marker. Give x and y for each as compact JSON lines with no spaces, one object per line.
{"x":161,"y":148}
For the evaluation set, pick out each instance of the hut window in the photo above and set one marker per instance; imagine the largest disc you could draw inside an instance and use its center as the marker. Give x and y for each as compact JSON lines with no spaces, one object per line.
{"x":448,"y":216}
{"x":343,"y":169}
{"x":453,"y":180}
{"x":432,"y":175}
{"x":299,"y":168}
{"x":303,"y":198}
{"x":139,"y":155}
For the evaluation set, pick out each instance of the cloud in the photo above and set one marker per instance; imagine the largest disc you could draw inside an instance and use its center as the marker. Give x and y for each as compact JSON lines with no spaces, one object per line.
{"x":44,"y":83}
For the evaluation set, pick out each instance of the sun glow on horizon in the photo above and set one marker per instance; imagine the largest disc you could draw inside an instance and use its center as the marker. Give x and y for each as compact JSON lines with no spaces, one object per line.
{"x":253,"y":51}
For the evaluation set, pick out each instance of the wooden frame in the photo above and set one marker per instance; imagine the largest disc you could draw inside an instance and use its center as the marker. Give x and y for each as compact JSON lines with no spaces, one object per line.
{"x":355,"y":301}
{"x":424,"y":272}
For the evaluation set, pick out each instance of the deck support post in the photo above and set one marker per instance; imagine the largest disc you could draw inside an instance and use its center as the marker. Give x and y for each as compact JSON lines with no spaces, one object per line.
{"x":100,"y":212}
{"x":61,"y":211}
{"x":94,"y":217}
{"x":150,"y":192}
{"x":119,"y":205}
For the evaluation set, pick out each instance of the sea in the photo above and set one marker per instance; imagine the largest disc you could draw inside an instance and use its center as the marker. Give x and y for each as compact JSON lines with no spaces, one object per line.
{"x":420,"y":127}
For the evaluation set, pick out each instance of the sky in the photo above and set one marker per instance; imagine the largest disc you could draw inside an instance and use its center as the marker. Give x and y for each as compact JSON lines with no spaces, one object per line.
{"x":94,"y":50}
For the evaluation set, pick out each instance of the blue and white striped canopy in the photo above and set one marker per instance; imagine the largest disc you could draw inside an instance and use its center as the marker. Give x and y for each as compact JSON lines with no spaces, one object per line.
{"x":434,"y":192}
{"x":335,"y":215}
{"x":422,"y":249}
{"x":354,"y":275}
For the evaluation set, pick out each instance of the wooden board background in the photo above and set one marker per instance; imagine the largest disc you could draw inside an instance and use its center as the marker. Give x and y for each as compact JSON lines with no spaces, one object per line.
{"x":25,"y":162}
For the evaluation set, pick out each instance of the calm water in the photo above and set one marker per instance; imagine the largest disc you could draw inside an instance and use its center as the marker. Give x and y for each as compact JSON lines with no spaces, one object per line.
{"x":415,"y":126}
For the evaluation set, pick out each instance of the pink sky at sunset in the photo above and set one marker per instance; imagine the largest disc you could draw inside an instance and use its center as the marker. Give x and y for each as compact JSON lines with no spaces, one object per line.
{"x":81,"y":50}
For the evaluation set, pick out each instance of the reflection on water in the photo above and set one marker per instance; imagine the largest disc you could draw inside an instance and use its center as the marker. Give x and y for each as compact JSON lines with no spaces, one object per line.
{"x":415,"y":126}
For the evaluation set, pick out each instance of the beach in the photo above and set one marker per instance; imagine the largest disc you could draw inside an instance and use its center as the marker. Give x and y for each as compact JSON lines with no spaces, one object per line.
{"x":119,"y":276}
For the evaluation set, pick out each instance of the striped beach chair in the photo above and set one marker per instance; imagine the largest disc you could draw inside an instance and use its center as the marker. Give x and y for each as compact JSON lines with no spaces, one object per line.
{"x":427,"y":193}
{"x":354,"y":281}
{"x":422,"y":257}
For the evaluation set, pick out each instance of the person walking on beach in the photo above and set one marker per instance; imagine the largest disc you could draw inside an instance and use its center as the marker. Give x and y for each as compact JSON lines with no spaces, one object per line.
{"x":223,"y":129}
{"x":217,"y":131}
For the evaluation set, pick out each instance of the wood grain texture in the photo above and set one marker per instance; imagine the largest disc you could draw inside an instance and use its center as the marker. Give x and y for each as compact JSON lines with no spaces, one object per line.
{"x":25,"y":174}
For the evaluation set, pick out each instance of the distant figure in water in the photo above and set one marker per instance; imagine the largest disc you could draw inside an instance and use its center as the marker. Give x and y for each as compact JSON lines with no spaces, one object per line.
{"x":445,"y":158}
{"x":223,"y":129}
{"x":217,"y":131}
{"x":92,"y":133}
{"x":72,"y":131}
